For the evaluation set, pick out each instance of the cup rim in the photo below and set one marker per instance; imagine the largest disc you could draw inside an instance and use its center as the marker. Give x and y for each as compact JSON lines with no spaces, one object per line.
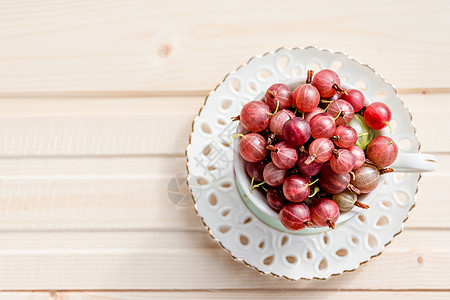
{"x":258,"y":199}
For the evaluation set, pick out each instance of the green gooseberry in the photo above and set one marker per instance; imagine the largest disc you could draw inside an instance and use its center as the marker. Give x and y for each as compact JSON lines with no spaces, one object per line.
{"x":365,"y":134}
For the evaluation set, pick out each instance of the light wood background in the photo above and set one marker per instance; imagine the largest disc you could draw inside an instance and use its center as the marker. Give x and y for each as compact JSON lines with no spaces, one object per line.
{"x":96,"y":104}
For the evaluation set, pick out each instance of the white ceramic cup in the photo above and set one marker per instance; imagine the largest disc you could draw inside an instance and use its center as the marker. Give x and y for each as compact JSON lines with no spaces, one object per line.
{"x":257,"y":203}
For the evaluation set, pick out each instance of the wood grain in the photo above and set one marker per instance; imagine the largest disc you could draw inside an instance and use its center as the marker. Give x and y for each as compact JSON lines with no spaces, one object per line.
{"x":222,"y":294}
{"x":131,"y":193}
{"x":256,"y":294}
{"x":97,"y":101}
{"x":141,"y":260}
{"x":25,"y":296}
{"x":176,"y":46}
{"x":147,"y":125}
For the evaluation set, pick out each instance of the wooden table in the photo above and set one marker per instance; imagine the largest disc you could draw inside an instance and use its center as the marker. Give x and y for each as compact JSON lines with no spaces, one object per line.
{"x":97,"y":101}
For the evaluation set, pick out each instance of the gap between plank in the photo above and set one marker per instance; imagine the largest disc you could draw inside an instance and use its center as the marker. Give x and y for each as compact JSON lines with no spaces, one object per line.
{"x":162,"y":93}
{"x":151,"y":230}
{"x":119,"y":156}
{"x":296,"y":290}
{"x":94,"y":156}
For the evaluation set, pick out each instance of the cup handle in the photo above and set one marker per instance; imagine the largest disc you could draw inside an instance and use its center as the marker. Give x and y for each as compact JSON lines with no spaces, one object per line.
{"x":414,"y":163}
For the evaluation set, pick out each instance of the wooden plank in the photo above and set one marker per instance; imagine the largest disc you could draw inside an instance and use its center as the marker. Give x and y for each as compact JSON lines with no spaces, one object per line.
{"x":148,"y":125}
{"x":94,"y":193}
{"x":173,"y":46}
{"x":25,"y":296}
{"x":164,"y":260}
{"x":79,"y":126}
{"x":257,"y":294}
{"x":127,"y":193}
{"x":432,"y":131}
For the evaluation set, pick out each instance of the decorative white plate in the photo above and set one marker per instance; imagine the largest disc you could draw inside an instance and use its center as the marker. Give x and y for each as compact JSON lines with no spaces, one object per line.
{"x":242,"y":234}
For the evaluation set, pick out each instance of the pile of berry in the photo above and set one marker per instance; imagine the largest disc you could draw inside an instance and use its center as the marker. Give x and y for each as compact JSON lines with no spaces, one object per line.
{"x":302,"y":155}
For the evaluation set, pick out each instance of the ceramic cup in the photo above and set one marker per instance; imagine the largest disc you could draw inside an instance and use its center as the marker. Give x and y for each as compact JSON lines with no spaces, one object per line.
{"x":256,"y":201}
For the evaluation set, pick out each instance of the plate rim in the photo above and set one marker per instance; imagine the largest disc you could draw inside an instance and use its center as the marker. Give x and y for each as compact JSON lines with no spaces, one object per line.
{"x":237,"y":259}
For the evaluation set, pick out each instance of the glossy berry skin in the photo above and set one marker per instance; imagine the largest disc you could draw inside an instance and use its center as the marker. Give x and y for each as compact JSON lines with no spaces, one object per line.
{"x":382,"y":151}
{"x":279,"y":119}
{"x":296,"y":131}
{"x":324,"y":80}
{"x":255,"y":116}
{"x":296,"y":188}
{"x":346,"y":136}
{"x":274,"y":176}
{"x":295,"y":216}
{"x":342,"y":161}
{"x":321,"y":149}
{"x":359,"y":155}
{"x":252,"y":147}
{"x":377,"y":115}
{"x":255,"y":170}
{"x":355,"y":98}
{"x":345,"y":200}
{"x":325,"y":212}
{"x":306,"y":97}
{"x":285,"y":156}
{"x":366,"y":178}
{"x":331,"y":182}
{"x":308,"y":170}
{"x":281,"y":93}
{"x":322,"y":126}
{"x":310,"y":115}
{"x":343,"y":109}
{"x":275,"y":199}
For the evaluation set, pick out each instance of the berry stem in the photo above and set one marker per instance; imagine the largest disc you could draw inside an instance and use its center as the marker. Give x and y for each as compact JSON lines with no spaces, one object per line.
{"x":362,"y":134}
{"x":361,"y":112}
{"x":271,"y":138}
{"x":272,"y":148}
{"x":326,"y":101}
{"x":338,"y":115}
{"x":353,"y":188}
{"x":237,"y":118}
{"x":259,"y":184}
{"x":385,"y":171}
{"x":276,"y":109}
{"x":389,"y":125}
{"x":329,"y":103}
{"x":310,"y":159}
{"x":362,"y":205}
{"x":309,"y":224}
{"x":368,"y":161}
{"x":272,"y":93}
{"x":309,"y":76}
{"x":335,"y":153}
{"x":313,"y":182}
{"x":353,"y":175}
{"x":315,"y":191}
{"x":235,"y":135}
{"x":251,"y":185}
{"x":338,"y":89}
{"x":331,"y":224}
{"x":334,"y":138}
{"x":303,"y":114}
